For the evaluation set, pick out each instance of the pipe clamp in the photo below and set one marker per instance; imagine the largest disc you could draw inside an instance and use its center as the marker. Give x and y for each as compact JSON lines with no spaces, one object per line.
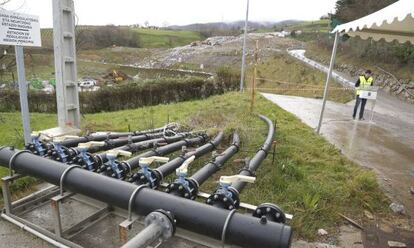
{"x":226,"y":224}
{"x":13,"y":158}
{"x":62,"y":177}
{"x":131,"y":199}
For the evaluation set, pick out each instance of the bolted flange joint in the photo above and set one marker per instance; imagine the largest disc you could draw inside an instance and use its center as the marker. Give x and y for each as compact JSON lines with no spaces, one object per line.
{"x":164,"y":219}
{"x":185,"y":188}
{"x":224,"y":197}
{"x":270,"y":212}
{"x":147,"y":176}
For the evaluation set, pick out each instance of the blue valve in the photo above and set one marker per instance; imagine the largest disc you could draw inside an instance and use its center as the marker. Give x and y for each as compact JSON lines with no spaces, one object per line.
{"x":114,"y":164}
{"x":146,"y":171}
{"x":223,"y":189}
{"x":61,"y":154}
{"x":182,"y":180}
{"x":87,"y":159}
{"x":38,"y":145}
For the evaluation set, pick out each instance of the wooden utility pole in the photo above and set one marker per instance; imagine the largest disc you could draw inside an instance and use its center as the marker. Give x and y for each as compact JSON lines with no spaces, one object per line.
{"x":256,"y":58}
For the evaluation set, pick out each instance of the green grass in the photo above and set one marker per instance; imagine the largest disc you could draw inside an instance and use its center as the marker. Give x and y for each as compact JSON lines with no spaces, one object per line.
{"x":309,"y":178}
{"x":149,"y":38}
{"x":162,"y":38}
{"x":310,"y":26}
{"x":288,"y":76}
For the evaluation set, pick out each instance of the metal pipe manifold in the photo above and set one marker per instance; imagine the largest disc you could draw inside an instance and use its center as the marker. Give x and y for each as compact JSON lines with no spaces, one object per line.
{"x":241,"y":230}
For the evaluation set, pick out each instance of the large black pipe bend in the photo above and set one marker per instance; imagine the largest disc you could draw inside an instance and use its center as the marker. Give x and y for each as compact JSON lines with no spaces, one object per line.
{"x":242,"y":230}
{"x":229,"y":197}
{"x":258,"y":158}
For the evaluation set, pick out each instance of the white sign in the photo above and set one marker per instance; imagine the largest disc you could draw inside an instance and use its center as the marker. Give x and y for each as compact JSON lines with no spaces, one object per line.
{"x":19,"y":29}
{"x":366,"y":94}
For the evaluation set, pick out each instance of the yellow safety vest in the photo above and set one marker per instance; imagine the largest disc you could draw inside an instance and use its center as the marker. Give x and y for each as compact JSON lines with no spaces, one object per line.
{"x":363,"y":83}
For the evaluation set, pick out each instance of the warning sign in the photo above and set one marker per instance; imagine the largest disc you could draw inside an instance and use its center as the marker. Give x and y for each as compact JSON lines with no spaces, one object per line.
{"x":19,"y":29}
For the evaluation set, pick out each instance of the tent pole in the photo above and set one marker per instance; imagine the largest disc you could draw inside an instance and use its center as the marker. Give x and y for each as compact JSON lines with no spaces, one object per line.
{"x":328,"y":78}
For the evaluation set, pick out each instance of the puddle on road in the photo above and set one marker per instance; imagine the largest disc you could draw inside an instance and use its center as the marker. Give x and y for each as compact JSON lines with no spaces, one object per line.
{"x":372,"y":147}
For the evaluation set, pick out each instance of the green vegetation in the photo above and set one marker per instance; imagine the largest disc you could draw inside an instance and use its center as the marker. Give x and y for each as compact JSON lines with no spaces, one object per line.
{"x":106,"y":36}
{"x":344,"y":56}
{"x":162,"y":38}
{"x":394,"y":57}
{"x":321,"y":26}
{"x":309,"y":178}
{"x":282,"y":74}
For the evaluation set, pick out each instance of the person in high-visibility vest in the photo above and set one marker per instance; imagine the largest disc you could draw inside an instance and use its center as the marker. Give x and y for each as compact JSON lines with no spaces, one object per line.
{"x":365,"y":80}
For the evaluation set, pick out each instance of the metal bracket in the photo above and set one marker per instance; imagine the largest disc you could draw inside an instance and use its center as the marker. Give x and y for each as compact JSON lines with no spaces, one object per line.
{"x":8,"y":207}
{"x":62,"y":177}
{"x":126,"y":225}
{"x":226,"y":224}
{"x":14,"y":158}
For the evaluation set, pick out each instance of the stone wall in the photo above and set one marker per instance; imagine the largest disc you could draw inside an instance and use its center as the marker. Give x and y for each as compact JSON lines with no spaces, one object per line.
{"x":402,"y":88}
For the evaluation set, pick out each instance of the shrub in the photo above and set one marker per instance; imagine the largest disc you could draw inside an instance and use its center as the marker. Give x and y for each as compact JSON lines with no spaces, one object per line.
{"x":127,"y":96}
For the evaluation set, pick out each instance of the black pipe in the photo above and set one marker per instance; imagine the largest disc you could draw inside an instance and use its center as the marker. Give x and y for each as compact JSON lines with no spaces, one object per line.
{"x":258,"y":158}
{"x":42,"y":148}
{"x":92,"y":162}
{"x":227,"y":196}
{"x":160,"y":151}
{"x":102,"y":137}
{"x":120,"y":170}
{"x":188,"y":187}
{"x":242,"y":230}
{"x":153,"y":178}
{"x":67,"y":154}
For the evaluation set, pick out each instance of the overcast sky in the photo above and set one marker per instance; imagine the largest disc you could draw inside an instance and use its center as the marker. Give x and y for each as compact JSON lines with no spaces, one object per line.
{"x":173,"y":12}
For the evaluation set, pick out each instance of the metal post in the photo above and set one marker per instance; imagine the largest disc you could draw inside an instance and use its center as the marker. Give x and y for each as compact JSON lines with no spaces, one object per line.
{"x":372,"y":111}
{"x":24,"y":105}
{"x":244,"y":49}
{"x":6,"y":195}
{"x":67,"y":96}
{"x":328,"y":78}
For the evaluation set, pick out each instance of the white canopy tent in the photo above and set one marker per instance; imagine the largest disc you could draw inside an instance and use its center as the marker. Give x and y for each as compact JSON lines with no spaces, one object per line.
{"x":395,"y":22}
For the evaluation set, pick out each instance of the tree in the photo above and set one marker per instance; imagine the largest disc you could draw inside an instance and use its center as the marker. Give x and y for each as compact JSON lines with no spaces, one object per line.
{"x":349,"y":10}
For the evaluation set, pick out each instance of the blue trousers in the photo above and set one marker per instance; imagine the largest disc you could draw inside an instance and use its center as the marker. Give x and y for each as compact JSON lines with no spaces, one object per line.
{"x":358,"y":101}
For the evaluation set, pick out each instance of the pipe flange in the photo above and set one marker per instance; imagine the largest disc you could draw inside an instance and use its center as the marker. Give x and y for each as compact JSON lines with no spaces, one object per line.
{"x":224,"y":201}
{"x":271,"y":212}
{"x":37,"y":148}
{"x":86,"y":161}
{"x":163,"y":218}
{"x":140,"y":178}
{"x":176,"y":188}
{"x":62,"y":154}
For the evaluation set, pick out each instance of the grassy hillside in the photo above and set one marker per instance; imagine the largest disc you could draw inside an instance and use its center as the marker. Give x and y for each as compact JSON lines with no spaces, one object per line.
{"x":309,"y":178}
{"x":149,"y":38}
{"x":310,"y":26}
{"x":166,"y":38}
{"x":282,"y":74}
